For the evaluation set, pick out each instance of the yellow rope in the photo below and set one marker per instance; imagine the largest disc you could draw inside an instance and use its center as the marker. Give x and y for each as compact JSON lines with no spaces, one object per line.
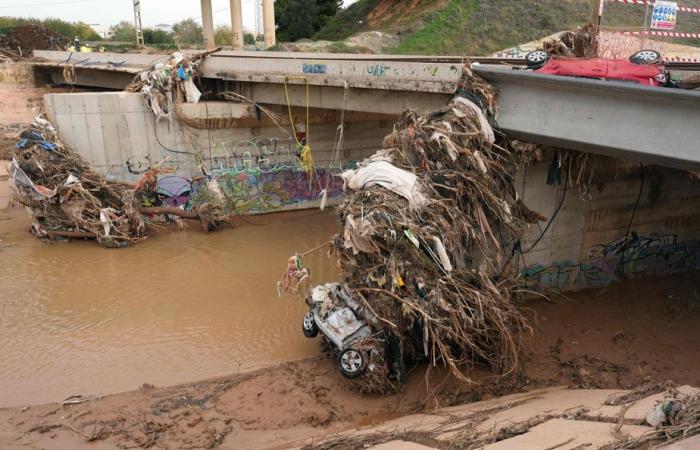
{"x":307,"y":159}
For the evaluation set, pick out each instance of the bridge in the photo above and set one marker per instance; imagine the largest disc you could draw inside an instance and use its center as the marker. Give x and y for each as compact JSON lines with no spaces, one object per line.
{"x":652,"y":125}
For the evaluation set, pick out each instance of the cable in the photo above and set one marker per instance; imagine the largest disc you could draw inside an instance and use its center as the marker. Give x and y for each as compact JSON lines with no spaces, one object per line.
{"x":155,"y":129}
{"x":636,"y":203}
{"x":551,"y":220}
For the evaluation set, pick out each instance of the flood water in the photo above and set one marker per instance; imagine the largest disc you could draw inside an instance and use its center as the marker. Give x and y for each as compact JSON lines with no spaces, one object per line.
{"x":76,"y":318}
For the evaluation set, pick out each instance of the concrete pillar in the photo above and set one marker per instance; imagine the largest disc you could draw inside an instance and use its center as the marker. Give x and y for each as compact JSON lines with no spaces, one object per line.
{"x":237,"y":40}
{"x":208,"y":24}
{"x":269,"y":23}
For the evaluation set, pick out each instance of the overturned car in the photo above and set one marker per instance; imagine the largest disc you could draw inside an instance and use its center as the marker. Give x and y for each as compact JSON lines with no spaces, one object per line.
{"x":348,"y":326}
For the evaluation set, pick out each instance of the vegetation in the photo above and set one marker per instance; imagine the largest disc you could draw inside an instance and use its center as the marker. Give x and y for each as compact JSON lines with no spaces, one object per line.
{"x":67,"y":29}
{"x":481,"y":27}
{"x":223,"y":36}
{"x":300,"y":19}
{"x":187,"y":32}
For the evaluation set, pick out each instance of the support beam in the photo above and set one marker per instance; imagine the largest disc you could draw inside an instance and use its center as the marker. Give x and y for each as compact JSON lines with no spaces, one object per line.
{"x":237,"y":38}
{"x":269,"y":23}
{"x":208,"y":24}
{"x":622,"y":120}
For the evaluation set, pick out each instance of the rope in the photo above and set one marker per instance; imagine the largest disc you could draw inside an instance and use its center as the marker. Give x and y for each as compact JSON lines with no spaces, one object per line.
{"x":307,"y":160}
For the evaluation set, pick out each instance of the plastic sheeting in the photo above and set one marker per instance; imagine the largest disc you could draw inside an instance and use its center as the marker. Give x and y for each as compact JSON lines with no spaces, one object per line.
{"x":379,"y":172}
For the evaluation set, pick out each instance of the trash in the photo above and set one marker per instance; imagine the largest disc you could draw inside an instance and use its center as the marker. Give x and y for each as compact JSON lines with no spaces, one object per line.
{"x":579,"y":43}
{"x":63,"y":194}
{"x":66,"y":198}
{"x":435,"y":212}
{"x":163,"y":85}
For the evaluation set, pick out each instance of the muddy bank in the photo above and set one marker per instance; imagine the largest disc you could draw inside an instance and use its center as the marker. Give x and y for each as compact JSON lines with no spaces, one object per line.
{"x":610,"y":338}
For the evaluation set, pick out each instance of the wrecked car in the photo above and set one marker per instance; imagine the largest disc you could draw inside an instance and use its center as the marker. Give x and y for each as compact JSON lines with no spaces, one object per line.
{"x":645,"y":67}
{"x":348,"y":327}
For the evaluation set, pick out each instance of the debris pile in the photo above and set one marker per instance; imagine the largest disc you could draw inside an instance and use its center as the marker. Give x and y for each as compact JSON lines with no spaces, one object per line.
{"x":66,"y":197}
{"x":24,"y":38}
{"x":165,"y":84}
{"x":427,"y":230}
{"x":579,"y":43}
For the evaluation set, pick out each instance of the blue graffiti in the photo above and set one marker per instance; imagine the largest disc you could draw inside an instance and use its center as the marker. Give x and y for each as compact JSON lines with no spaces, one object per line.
{"x":314,"y":68}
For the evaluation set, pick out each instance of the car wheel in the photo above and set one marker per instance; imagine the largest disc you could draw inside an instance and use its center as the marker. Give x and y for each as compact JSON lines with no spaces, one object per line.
{"x":308,"y":325}
{"x":536,"y":59}
{"x":352,"y":363}
{"x":644,"y":57}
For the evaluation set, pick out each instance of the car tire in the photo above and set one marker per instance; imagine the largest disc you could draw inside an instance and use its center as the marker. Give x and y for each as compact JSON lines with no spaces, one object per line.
{"x":308,"y":326}
{"x":536,"y":59}
{"x":352,"y":363}
{"x":645,"y":57}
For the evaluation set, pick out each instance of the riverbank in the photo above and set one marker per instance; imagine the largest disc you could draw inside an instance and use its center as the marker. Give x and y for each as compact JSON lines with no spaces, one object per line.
{"x":613,"y":338}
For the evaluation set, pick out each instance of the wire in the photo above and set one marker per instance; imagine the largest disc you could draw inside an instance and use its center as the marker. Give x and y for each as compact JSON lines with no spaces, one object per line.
{"x":636,"y":203}
{"x":551,"y":220}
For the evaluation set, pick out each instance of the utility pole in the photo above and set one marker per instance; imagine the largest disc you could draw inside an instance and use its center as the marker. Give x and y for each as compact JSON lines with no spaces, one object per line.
{"x":237,"y":38}
{"x":137,"y":23}
{"x":208,"y":24}
{"x":269,"y":23}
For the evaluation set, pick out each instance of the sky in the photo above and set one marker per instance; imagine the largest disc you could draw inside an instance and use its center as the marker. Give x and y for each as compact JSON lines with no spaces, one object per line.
{"x":103,"y":13}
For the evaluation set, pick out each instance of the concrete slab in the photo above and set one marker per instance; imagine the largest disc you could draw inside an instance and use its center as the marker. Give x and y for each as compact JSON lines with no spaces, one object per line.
{"x":401,"y":445}
{"x":692,"y":443}
{"x":565,"y":434}
{"x":637,"y":412}
{"x":4,"y":186}
{"x":556,"y":402}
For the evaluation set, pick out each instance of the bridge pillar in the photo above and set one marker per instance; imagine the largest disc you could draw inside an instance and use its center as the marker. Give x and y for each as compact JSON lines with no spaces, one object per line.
{"x":208,"y":24}
{"x":237,"y":38}
{"x":269,"y":23}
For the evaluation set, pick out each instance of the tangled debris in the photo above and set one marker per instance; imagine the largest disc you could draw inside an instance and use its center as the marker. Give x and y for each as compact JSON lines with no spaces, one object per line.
{"x":427,"y":227}
{"x":66,"y":197}
{"x":579,"y":43}
{"x":675,"y":418}
{"x":165,"y":84}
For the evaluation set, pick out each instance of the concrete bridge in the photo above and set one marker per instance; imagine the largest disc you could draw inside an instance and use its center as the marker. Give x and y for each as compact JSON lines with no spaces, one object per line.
{"x":652,"y":125}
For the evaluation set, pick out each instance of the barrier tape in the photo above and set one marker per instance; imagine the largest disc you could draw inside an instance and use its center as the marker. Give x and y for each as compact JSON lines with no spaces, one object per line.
{"x":686,"y":9}
{"x":661,"y":33}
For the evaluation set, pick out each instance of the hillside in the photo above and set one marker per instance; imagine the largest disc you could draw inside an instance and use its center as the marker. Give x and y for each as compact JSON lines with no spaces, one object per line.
{"x":481,"y":27}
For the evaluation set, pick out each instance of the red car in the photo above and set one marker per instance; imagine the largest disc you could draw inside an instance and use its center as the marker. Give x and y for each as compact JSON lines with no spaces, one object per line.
{"x":644,"y":67}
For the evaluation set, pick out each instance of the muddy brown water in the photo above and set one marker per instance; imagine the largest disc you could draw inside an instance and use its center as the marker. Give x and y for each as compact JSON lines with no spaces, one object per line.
{"x":79,"y":319}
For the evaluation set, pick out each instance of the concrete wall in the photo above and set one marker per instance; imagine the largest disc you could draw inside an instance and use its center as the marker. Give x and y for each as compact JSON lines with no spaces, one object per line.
{"x":586,"y":243}
{"x":255,"y":160}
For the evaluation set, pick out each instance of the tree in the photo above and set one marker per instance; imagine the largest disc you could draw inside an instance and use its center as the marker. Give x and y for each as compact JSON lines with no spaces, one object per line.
{"x":223,"y":35}
{"x":299,"y":19}
{"x":123,"y":32}
{"x":152,"y":36}
{"x":187,"y":32}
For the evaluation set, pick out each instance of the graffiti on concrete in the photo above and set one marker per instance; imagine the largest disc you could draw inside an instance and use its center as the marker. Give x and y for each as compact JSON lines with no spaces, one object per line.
{"x":264,"y":155}
{"x":630,"y":257}
{"x":314,"y":68}
{"x":378,"y":70}
{"x":255,"y":191}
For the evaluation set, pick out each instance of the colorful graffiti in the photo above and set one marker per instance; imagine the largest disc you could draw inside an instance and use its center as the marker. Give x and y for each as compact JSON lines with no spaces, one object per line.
{"x":656,"y":254}
{"x":255,"y":191}
{"x":265,"y":155}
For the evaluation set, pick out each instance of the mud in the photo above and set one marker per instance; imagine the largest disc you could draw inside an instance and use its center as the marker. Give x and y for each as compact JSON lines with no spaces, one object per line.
{"x":183,"y":306}
{"x":616,"y":337}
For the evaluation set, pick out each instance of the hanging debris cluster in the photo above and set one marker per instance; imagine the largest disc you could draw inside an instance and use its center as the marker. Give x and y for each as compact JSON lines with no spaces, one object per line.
{"x":427,"y":230}
{"x":66,"y":197}
{"x":165,"y":84}
{"x":579,"y":43}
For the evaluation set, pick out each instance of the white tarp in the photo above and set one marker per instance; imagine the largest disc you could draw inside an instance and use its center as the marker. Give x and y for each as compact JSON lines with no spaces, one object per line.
{"x":377,"y":171}
{"x":486,"y":129}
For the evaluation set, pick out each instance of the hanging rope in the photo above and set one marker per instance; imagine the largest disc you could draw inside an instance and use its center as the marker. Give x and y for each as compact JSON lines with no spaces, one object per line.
{"x":305,"y":155}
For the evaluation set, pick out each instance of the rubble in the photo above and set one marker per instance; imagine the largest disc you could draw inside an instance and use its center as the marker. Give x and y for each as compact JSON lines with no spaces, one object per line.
{"x":427,"y":228}
{"x":579,"y":43}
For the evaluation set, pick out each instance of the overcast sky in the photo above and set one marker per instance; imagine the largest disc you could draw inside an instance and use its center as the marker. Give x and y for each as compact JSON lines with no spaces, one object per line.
{"x":109,"y":12}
